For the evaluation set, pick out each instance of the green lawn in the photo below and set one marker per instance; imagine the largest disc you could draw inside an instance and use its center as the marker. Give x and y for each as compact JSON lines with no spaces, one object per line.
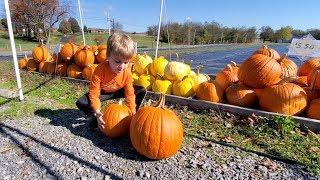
{"x":275,"y":136}
{"x":25,"y":45}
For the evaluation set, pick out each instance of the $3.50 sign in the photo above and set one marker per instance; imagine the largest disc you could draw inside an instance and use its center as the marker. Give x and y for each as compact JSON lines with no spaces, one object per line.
{"x":306,"y":47}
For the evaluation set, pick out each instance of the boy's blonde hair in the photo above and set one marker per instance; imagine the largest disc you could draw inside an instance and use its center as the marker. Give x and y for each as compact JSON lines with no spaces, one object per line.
{"x":120,"y":45}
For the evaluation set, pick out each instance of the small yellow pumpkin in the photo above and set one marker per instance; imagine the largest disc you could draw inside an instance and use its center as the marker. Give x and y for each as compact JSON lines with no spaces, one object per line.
{"x":142,"y":63}
{"x":183,"y":88}
{"x":162,"y":86}
{"x":146,"y":81}
{"x":157,"y":66}
{"x":198,"y":78}
{"x":176,"y":71}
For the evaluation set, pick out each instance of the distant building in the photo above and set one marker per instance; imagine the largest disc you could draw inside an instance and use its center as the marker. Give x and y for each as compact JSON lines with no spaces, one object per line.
{"x":97,"y":30}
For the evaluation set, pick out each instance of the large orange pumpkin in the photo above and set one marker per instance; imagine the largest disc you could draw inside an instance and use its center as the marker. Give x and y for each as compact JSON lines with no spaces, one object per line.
{"x":314,"y":78}
{"x":288,"y":67}
{"x":302,"y":81}
{"x":259,"y":71}
{"x":313,"y":93}
{"x":62,"y":69}
{"x":209,"y":91}
{"x":23,"y":62}
{"x":156,"y":132}
{"x":241,"y":95}
{"x":101,"y":53}
{"x":117,"y":118}
{"x":227,"y":76}
{"x":84,"y":57}
{"x":67,"y":52}
{"x":286,"y":98}
{"x":265,"y":50}
{"x":51,"y":67}
{"x":43,"y":66}
{"x":74,"y":71}
{"x":32,"y":65}
{"x":88,"y":71}
{"x":309,"y":66}
{"x":314,"y":109}
{"x":40,"y":53}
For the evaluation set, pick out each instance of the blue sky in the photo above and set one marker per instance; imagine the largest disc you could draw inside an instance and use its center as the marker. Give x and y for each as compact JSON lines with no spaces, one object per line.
{"x":139,"y":14}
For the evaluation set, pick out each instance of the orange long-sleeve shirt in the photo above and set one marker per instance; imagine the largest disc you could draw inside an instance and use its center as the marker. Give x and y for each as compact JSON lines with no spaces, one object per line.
{"x":104,"y":79}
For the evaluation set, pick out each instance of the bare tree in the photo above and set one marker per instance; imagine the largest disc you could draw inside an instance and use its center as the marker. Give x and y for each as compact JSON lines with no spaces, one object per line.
{"x":38,"y":16}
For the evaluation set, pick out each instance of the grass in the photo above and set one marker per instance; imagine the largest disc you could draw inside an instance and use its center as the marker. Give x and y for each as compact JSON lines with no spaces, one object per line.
{"x":142,"y":40}
{"x":278,"y":136}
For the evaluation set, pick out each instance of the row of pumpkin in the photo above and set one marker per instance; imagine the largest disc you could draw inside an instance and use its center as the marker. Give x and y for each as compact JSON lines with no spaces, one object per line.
{"x":266,"y":79}
{"x":261,"y":79}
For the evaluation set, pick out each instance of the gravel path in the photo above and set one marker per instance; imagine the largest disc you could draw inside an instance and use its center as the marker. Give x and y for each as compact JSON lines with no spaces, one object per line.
{"x":58,"y":145}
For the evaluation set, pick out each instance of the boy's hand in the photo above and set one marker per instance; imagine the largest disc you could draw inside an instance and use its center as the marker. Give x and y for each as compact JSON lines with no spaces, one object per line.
{"x":101,"y":123}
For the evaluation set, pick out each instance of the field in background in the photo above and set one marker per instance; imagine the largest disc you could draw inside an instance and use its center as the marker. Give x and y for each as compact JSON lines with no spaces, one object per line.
{"x":23,"y":44}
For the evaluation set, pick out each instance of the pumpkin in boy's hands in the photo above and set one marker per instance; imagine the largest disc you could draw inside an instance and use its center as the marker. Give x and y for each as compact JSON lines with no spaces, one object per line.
{"x":117,"y":118}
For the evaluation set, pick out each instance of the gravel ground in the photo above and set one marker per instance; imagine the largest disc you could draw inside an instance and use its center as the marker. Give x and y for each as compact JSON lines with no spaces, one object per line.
{"x":57,"y":144}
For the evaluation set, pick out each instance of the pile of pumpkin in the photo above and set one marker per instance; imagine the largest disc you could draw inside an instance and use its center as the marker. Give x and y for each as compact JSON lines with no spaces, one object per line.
{"x":72,"y":61}
{"x":270,"y":81}
{"x":167,"y":77}
{"x":155,"y":132}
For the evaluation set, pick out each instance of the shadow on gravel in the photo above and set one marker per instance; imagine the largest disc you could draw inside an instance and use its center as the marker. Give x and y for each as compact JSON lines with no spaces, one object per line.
{"x":10,"y":132}
{"x":74,"y":120}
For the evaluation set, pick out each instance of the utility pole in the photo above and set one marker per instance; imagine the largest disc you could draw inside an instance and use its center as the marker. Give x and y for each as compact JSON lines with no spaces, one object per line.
{"x":108,"y":20}
{"x":237,"y":38}
{"x":221,"y":37}
{"x":194,"y":36}
{"x":113,"y":30}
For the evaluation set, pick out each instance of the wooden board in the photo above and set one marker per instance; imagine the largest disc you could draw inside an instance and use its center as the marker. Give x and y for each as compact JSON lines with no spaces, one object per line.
{"x":194,"y":104}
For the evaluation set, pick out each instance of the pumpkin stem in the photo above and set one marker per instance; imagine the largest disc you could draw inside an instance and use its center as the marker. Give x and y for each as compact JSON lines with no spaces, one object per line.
{"x":233,"y":63}
{"x":314,"y":78}
{"x":229,"y":67}
{"x":282,"y":58}
{"x":199,"y":68}
{"x":178,"y":58}
{"x":265,"y":47}
{"x":159,"y":103}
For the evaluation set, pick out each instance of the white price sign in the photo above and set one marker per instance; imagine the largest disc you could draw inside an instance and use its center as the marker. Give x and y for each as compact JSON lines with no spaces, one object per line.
{"x":306,"y":47}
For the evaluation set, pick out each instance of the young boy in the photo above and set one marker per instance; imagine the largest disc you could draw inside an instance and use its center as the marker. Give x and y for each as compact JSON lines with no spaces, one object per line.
{"x":112,"y":79}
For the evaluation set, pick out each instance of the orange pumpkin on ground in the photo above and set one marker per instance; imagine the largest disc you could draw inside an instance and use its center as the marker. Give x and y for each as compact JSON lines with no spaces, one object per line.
{"x":302,"y":81}
{"x":265,"y":50}
{"x":312,"y":93}
{"x":117,"y":118}
{"x":309,"y":66}
{"x":74,"y":71}
{"x":101,"y":53}
{"x":84,"y":57}
{"x":314,"y":109}
{"x":23,"y":62}
{"x":67,"y":52}
{"x":32,"y":65}
{"x":209,"y":91}
{"x":62,"y":69}
{"x":88,"y":71}
{"x":285,"y":98}
{"x":314,"y":77}
{"x":156,"y":132}
{"x":43,"y":66}
{"x":241,"y":95}
{"x":51,"y":68}
{"x":40,"y":53}
{"x":288,"y":67}
{"x":259,"y":71}
{"x":227,"y":76}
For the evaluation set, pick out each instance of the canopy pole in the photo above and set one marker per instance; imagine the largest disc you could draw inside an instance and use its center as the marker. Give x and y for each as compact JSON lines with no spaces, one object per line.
{"x":81,"y":23}
{"x":159,"y":26}
{"x":13,"y":49}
